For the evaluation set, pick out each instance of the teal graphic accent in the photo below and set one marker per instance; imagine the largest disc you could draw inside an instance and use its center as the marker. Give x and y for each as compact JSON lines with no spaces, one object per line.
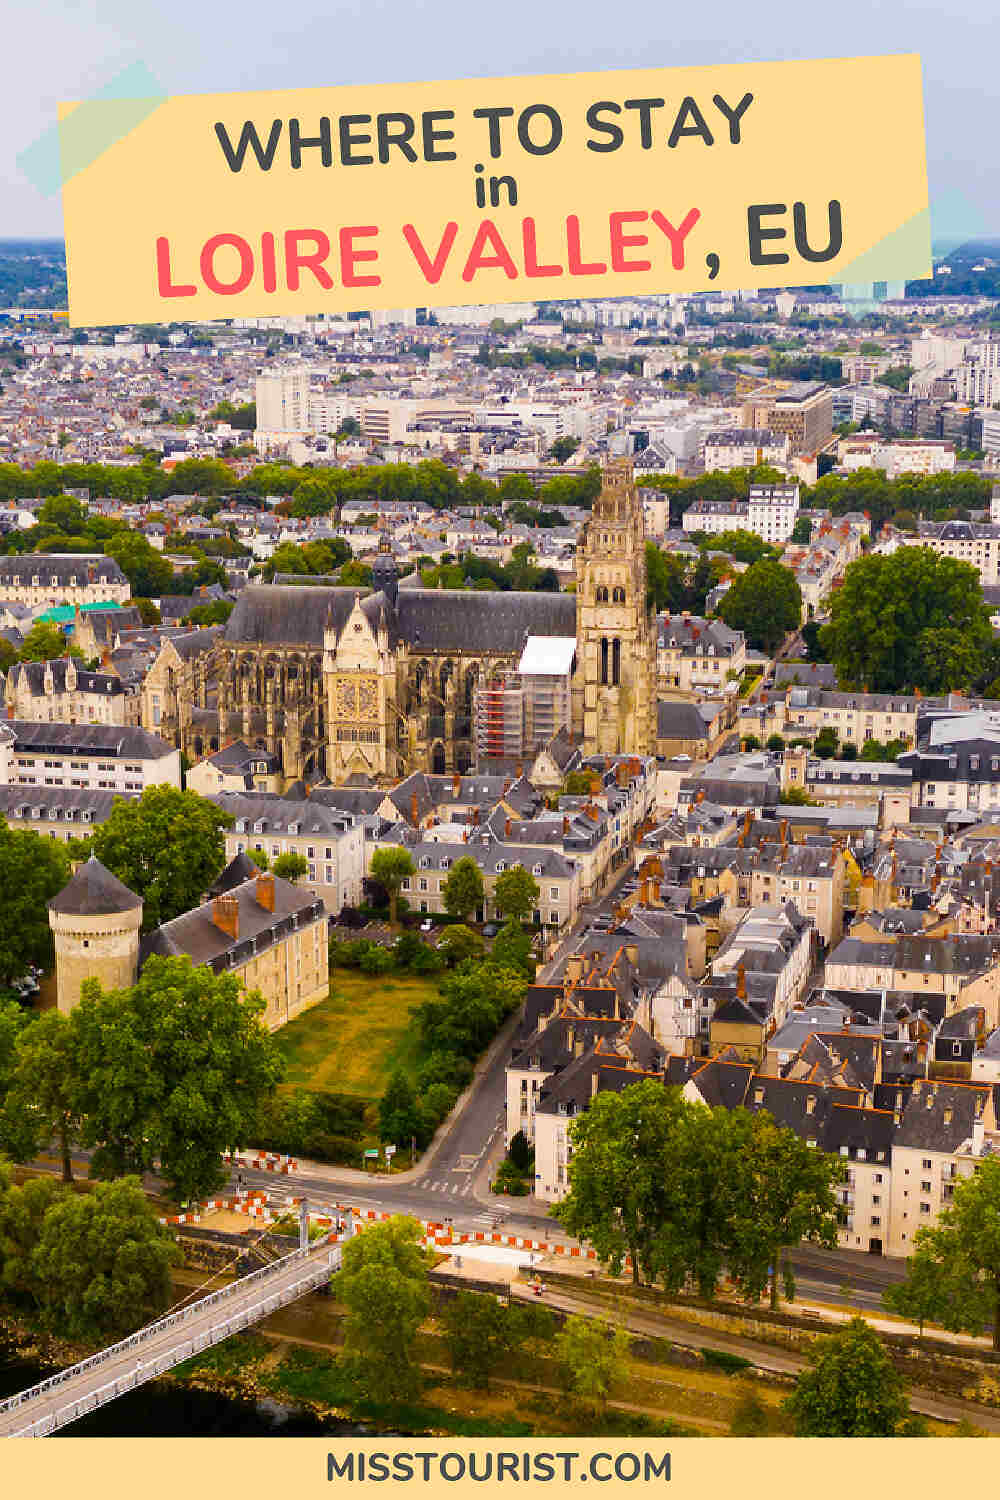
{"x":903,"y":254}
{"x":69,"y":145}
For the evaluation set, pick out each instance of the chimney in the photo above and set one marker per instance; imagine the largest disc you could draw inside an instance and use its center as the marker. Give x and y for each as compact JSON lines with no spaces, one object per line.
{"x":565,"y":825}
{"x":520,"y":770}
{"x":574,"y":969}
{"x":265,"y":890}
{"x":456,"y":785}
{"x":506,"y":828}
{"x":414,"y":811}
{"x":226,"y":916}
{"x":741,"y":982}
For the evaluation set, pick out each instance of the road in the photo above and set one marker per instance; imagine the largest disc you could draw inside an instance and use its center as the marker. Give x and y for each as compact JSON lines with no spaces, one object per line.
{"x":764,"y":1356}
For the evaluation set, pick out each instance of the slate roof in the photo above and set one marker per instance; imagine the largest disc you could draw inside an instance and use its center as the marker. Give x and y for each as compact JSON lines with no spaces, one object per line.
{"x":288,"y":616}
{"x":676,"y":720}
{"x":94,"y":892}
{"x":194,"y":932}
{"x":120,"y":741}
{"x":51,"y":568}
{"x":33,"y":674}
{"x":481,"y":620}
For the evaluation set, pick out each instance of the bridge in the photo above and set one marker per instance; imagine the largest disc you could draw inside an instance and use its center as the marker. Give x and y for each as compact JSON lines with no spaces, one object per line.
{"x":158,"y":1347}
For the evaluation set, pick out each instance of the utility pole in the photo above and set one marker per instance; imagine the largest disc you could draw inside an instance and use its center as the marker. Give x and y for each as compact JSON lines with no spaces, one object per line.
{"x":304,"y":1224}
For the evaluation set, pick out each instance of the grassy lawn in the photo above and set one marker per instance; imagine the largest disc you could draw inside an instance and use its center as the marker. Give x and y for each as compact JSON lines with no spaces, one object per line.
{"x":352,"y":1042}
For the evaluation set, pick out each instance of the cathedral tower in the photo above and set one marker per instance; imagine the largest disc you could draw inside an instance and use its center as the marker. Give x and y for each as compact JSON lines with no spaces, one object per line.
{"x":615,"y":691}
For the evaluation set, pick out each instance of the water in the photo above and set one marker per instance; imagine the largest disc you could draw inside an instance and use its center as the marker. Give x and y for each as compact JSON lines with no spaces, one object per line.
{"x":160,"y":1410}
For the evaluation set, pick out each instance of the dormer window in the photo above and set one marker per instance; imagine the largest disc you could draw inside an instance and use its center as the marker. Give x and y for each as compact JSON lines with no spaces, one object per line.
{"x":537,"y":869}
{"x":501,"y":866}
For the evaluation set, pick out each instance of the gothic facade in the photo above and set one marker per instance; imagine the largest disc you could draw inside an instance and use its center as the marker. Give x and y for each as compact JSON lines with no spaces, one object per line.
{"x":381,"y":683}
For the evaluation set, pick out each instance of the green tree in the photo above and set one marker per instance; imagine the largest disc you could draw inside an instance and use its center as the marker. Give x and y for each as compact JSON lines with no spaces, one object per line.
{"x":147,"y":570}
{"x":520,"y":1152}
{"x":398,"y":1113}
{"x":512,"y":949}
{"x":801,"y":532}
{"x":167,"y":847}
{"x":259,"y":857}
{"x":290,"y":866}
{"x":745,"y":546}
{"x":460,"y":943}
{"x":175,"y":1068}
{"x":592,"y":1357}
{"x":63,"y":513}
{"x":32,"y":871}
{"x":46,"y":642}
{"x":102,"y":1262}
{"x":851,"y":1389}
{"x":825,"y":744}
{"x":463,"y":891}
{"x":44,"y":1092}
{"x":621,"y":1175}
{"x":22,"y":1213}
{"x":391,"y":866}
{"x":482,"y":1334}
{"x":516,"y":893}
{"x":954,"y":1273}
{"x":785,"y":1195}
{"x":905,"y":621}
{"x":383,"y":1285}
{"x":765,"y":603}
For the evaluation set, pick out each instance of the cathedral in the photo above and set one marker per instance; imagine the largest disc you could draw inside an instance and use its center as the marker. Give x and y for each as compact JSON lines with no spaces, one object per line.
{"x":342,"y":681}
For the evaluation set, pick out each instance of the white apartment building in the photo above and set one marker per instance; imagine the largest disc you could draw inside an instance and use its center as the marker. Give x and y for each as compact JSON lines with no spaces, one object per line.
{"x":331,"y":842}
{"x":897,"y":455}
{"x":743,"y":447}
{"x":967,"y":541}
{"x":96,"y":757}
{"x":770,"y":511}
{"x":50,"y":578}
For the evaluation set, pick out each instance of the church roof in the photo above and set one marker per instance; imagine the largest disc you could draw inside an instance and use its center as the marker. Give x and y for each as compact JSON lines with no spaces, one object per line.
{"x":481,"y":620}
{"x":94,"y":892}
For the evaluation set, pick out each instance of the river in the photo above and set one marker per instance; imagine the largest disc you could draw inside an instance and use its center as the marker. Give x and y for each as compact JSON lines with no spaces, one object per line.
{"x":162,"y":1410}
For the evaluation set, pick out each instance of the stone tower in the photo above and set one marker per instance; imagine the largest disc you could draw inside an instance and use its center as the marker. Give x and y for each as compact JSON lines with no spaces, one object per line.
{"x":615,"y":690}
{"x":95,"y":921}
{"x":359,"y":676}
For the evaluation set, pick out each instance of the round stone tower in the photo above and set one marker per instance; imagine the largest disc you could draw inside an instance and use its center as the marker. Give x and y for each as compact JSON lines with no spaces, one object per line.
{"x":95,"y":921}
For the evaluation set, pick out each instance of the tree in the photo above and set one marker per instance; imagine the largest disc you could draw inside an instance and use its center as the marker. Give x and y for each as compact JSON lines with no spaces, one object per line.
{"x":463,"y":891}
{"x":801,"y":532}
{"x":516,"y":893}
{"x":290,"y":866}
{"x":512,"y":948}
{"x":784,"y":1196}
{"x":63,"y":513}
{"x":954,"y":1273}
{"x":592,"y":1357}
{"x":852,"y":1388}
{"x":46,"y":642}
{"x":471,"y":1004}
{"x":22,"y":1212}
{"x":905,"y":621}
{"x":745,"y":546}
{"x":147,"y":570}
{"x":383,"y":1285}
{"x":520,"y":1152}
{"x":259,"y":857}
{"x":765,"y":603}
{"x":459,"y":943}
{"x":619,"y":1196}
{"x":825,"y":744}
{"x":391,"y":866}
{"x":563,"y":448}
{"x":44,"y":1092}
{"x":482,"y":1333}
{"x":32,"y":871}
{"x":167,"y":847}
{"x":102,"y":1262}
{"x":398,"y":1114}
{"x":174,"y":1068}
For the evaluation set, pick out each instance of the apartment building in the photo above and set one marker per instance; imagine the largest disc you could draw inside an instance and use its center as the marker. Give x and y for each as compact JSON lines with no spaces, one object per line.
{"x":946,"y":974}
{"x":64,"y":691}
{"x":558,"y":877}
{"x":57,"y":812}
{"x":801,"y":712}
{"x":896,"y":456}
{"x":48,"y":578}
{"x":695,"y":655}
{"x":86,"y":757}
{"x":743,"y":447}
{"x":803,"y":412}
{"x":973,"y":542}
{"x":956,"y":762}
{"x":943,"y":1131}
{"x":330,"y":842}
{"x":770,"y":511}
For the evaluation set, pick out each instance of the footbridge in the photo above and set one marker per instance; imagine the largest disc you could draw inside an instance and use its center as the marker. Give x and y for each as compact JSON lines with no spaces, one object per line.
{"x":158,"y":1347}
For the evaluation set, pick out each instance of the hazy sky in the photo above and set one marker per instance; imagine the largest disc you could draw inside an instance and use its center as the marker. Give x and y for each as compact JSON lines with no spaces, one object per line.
{"x":61,"y":51}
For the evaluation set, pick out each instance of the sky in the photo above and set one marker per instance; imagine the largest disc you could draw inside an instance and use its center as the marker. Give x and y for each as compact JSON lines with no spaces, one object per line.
{"x":58,"y":51}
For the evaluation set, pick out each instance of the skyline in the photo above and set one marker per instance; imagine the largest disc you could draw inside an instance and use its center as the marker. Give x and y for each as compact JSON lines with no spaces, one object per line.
{"x":190,"y":50}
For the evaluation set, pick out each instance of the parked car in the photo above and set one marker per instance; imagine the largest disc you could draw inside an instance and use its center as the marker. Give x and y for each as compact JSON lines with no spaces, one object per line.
{"x":491,"y":929}
{"x":427,"y":925}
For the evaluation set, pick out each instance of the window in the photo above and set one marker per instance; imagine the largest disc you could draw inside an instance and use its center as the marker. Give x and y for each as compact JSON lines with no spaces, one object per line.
{"x":925,"y":1187}
{"x":926,"y":1163}
{"x":925,"y":1208}
{"x":553,"y":893}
